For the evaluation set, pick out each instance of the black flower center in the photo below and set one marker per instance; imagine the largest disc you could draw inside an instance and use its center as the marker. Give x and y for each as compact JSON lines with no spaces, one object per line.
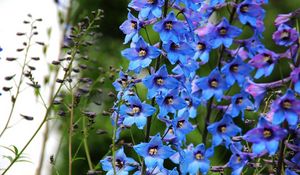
{"x":134,"y":24}
{"x":239,"y":100}
{"x":142,"y":52}
{"x":151,"y":1}
{"x":244,"y":8}
{"x":169,"y":100}
{"x":119,"y":163}
{"x":136,"y":109}
{"x":180,"y":124}
{"x":174,"y":46}
{"x":153,"y":150}
{"x":285,"y":35}
{"x":286,"y":104}
{"x":214,"y":83}
{"x":201,"y":46}
{"x":159,"y":81}
{"x":168,"y":25}
{"x":199,"y":156}
{"x":223,"y":31}
{"x":234,"y":68}
{"x":170,"y":130}
{"x":222,"y":128}
{"x":267,"y":58}
{"x":267,"y":133}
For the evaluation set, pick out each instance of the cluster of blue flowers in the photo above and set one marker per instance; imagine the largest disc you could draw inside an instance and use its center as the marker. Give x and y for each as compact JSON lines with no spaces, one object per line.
{"x":170,"y":69}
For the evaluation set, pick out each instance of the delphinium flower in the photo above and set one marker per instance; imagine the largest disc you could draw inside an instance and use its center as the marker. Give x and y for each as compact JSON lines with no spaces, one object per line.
{"x":239,"y":103}
{"x":188,"y":70}
{"x":131,"y":27}
{"x":265,"y":62}
{"x":285,"y":35}
{"x":238,"y":158}
{"x":286,"y":107}
{"x":212,"y":85}
{"x":195,"y":160}
{"x":223,"y":130}
{"x":158,"y":171}
{"x":224,"y":33}
{"x":159,"y":81}
{"x":192,"y":102}
{"x":283,"y":18}
{"x":250,"y":12}
{"x":148,"y":9}
{"x":123,"y":164}
{"x":181,"y":127}
{"x":257,"y":91}
{"x":140,"y":55}
{"x":136,"y":112}
{"x":202,"y":49}
{"x":124,"y":82}
{"x":236,"y":71}
{"x":170,"y":102}
{"x":265,"y":137}
{"x":170,"y":29}
{"x":178,"y":51}
{"x":154,"y":152}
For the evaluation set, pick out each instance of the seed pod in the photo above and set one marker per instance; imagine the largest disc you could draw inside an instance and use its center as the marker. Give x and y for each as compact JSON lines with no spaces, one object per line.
{"x":26,"y":117}
{"x":7,"y":78}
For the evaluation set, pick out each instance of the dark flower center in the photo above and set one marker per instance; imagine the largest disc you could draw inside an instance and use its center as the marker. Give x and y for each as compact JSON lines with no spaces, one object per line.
{"x":286,"y":104}
{"x":134,"y":24}
{"x":285,"y":35}
{"x":170,"y":130}
{"x":180,"y":124}
{"x":153,"y":150}
{"x":222,"y":128}
{"x":168,"y":25}
{"x":159,"y":81}
{"x":238,"y":158}
{"x":174,"y":46}
{"x":188,"y":102}
{"x":119,"y":163}
{"x":244,"y":8}
{"x":223,"y":31}
{"x":136,"y":109}
{"x":201,"y":46}
{"x":234,"y":68}
{"x":142,"y":52}
{"x":267,"y":58}
{"x":239,"y":100}
{"x":267,"y":133}
{"x":214,"y":83}
{"x":151,"y":1}
{"x":199,"y":156}
{"x":169,"y":100}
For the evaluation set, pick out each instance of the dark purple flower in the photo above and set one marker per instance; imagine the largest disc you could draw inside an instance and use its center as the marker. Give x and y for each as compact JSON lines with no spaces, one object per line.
{"x":250,"y":12}
{"x":257,"y":91}
{"x":131,"y":27}
{"x":285,"y":35}
{"x":283,"y":18}
{"x":265,"y":137}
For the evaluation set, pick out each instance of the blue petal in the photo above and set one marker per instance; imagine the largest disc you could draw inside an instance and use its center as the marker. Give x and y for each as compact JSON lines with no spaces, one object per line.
{"x":278,"y":117}
{"x":291,"y":117}
{"x":272,"y":146}
{"x":258,"y":147}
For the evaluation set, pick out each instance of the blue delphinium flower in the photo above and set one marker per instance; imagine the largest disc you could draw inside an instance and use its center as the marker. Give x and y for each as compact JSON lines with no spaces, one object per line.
{"x":195,"y":160}
{"x":182,"y":126}
{"x":192,"y":102}
{"x":238,"y":158}
{"x":170,"y":29}
{"x":188,"y":69}
{"x":154,"y":152}
{"x":202,"y":49}
{"x":123,"y":82}
{"x":286,"y":107}
{"x":223,"y":130}
{"x":131,"y":28}
{"x":224,"y":33}
{"x":239,"y":103}
{"x":212,"y":85}
{"x":160,"y":82}
{"x":265,"y":137}
{"x":285,"y":35}
{"x":136,"y":112}
{"x":140,"y":55}
{"x":236,"y":70}
{"x":250,"y":12}
{"x":170,"y":102}
{"x":178,"y":51}
{"x":148,"y":9}
{"x":265,"y":62}
{"x":158,"y":171}
{"x":123,"y":164}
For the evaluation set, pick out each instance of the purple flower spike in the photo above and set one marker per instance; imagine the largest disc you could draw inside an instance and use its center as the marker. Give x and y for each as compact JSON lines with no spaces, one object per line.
{"x":265,"y":137}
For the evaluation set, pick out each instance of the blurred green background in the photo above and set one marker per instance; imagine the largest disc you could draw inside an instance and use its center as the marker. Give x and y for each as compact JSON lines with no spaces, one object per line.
{"x":105,"y":59}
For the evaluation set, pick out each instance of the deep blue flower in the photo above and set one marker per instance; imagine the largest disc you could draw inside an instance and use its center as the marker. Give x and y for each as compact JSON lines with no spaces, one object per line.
{"x":290,"y":172}
{"x":131,"y":28}
{"x":250,"y":12}
{"x":123,"y":164}
{"x":286,"y":107}
{"x":192,"y":101}
{"x":212,"y":85}
{"x":140,"y":55}
{"x":265,"y":137}
{"x":285,"y":35}
{"x":239,"y":103}
{"x":148,"y":9}
{"x":223,"y":130}
{"x":188,"y":69}
{"x":154,"y":152}
{"x":123,"y":82}
{"x":265,"y":62}
{"x":195,"y":160}
{"x":224,"y":33}
{"x":170,"y":102}
{"x":160,"y":82}
{"x":170,"y":29}
{"x":136,"y":112}
{"x":236,"y":70}
{"x":178,"y":51}
{"x":202,"y":48}
{"x":181,"y":127}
